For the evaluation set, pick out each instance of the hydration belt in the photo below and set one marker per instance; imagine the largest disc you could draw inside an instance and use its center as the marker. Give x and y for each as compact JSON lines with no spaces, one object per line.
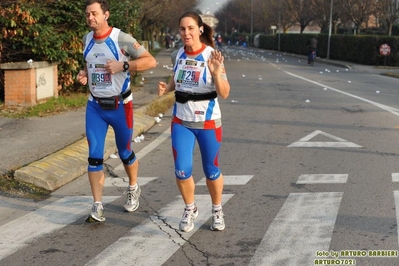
{"x":182,"y":97}
{"x":112,"y":103}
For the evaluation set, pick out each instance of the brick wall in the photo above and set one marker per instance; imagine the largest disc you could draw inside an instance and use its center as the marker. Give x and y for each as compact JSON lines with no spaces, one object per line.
{"x":20,"y":86}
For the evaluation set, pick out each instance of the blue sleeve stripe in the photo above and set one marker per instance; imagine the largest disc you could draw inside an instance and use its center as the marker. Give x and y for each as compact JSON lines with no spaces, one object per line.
{"x":111,"y":45}
{"x":89,"y":46}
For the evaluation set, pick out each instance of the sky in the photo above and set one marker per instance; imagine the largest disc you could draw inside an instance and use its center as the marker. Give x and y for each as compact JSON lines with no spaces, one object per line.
{"x":211,"y":6}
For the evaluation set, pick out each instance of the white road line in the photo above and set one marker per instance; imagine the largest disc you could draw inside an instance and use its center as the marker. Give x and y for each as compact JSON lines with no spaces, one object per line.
{"x":233,"y":180}
{"x":319,"y":132}
{"x":303,"y":226}
{"x":395,"y":177}
{"x":148,"y":148}
{"x":382,"y":106}
{"x":157,"y":238}
{"x":322,"y":179}
{"x":396,"y":197}
{"x":325,"y":144}
{"x":22,"y":231}
{"x":124,"y":181}
{"x":339,"y":143}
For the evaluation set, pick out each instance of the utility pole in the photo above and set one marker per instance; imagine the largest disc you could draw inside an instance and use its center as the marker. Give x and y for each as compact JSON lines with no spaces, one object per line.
{"x":329,"y":31}
{"x":252,"y":22}
{"x":279,"y":23}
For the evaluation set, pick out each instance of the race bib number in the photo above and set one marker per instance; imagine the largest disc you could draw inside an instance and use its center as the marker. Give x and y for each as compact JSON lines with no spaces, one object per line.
{"x":189,"y":77}
{"x":189,"y":73}
{"x":100,"y":78}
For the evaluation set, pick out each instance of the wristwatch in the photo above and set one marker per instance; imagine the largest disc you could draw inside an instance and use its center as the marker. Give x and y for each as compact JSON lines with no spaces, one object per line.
{"x":125,"y":66}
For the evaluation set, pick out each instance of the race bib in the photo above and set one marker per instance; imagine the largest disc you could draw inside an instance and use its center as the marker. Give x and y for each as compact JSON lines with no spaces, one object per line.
{"x":100,"y":78}
{"x":189,"y":73}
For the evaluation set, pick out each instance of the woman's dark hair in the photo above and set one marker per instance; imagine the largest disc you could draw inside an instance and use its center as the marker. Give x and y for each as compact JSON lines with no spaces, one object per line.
{"x":103,"y":3}
{"x":207,"y":36}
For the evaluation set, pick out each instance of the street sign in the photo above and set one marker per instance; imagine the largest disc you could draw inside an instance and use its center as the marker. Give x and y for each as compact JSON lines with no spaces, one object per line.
{"x":385,"y":49}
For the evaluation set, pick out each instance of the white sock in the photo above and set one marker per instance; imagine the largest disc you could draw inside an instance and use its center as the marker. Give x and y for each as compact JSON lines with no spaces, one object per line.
{"x":190,"y":206}
{"x":133,"y":187}
{"x":216,"y":208}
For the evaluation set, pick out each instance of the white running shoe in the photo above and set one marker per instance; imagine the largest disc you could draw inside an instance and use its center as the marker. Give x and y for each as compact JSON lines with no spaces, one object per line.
{"x":187,"y":221}
{"x":132,"y":199}
{"x":217,"y":221}
{"x":97,"y":213}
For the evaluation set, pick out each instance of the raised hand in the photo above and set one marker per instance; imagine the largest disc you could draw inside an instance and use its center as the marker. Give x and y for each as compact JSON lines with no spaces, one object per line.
{"x":215,"y":63}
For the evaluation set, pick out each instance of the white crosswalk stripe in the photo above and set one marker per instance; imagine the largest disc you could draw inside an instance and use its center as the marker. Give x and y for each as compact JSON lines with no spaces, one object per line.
{"x":18,"y":233}
{"x":156,"y":239}
{"x":230,"y":180}
{"x":123,"y":182}
{"x":303,"y":225}
{"x":322,"y":179}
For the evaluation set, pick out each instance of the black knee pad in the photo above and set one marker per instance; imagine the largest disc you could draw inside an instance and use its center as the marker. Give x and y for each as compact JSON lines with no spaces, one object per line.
{"x":129,"y":160}
{"x":95,"y":162}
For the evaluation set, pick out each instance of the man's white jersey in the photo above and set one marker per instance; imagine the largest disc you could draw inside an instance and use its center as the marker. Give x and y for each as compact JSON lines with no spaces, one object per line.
{"x":102,"y":83}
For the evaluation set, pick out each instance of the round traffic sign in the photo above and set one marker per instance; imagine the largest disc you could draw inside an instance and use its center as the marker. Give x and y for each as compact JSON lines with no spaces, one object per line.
{"x":385,"y":49}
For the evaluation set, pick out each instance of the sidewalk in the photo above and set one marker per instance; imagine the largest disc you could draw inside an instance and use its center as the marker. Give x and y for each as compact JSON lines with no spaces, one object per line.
{"x":52,"y":151}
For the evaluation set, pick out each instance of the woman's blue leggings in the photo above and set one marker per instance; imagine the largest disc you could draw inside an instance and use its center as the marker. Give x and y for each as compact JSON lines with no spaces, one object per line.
{"x":183,"y":142}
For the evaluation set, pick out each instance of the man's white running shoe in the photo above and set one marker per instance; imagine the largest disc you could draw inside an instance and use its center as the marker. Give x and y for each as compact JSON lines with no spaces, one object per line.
{"x":217,"y":221}
{"x":187,"y":221}
{"x":97,"y":213}
{"x":132,"y":199}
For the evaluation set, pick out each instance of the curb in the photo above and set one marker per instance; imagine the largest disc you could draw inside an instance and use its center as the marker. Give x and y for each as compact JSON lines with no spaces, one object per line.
{"x":67,"y":164}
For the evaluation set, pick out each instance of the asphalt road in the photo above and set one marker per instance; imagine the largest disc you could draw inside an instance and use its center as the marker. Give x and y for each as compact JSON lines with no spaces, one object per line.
{"x":309,"y":156}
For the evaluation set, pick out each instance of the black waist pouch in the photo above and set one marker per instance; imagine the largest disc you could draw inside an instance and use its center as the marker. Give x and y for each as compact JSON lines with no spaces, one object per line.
{"x":110,"y":103}
{"x":182,"y":97}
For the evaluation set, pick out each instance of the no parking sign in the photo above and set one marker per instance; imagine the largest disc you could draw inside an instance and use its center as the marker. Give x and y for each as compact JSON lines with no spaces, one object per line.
{"x":385,"y":49}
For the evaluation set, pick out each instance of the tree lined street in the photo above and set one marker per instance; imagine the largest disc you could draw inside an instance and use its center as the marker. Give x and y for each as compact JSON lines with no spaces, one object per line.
{"x":310,"y":162}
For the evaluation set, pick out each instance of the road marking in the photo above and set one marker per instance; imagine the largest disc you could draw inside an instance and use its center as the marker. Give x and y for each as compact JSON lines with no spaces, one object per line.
{"x":338,"y":143}
{"x":392,"y":110}
{"x":148,"y":148}
{"x":395,"y":177}
{"x":43,"y":221}
{"x":322,"y":179}
{"x":123,"y":181}
{"x":230,"y":180}
{"x":303,"y":225}
{"x":157,"y":238}
{"x":396,"y":197}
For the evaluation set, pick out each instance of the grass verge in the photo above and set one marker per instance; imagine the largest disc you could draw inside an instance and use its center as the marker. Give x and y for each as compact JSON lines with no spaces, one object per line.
{"x":51,"y":107}
{"x":14,"y":188}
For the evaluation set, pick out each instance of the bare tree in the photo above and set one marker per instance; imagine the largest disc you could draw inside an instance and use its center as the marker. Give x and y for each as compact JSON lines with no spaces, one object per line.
{"x":159,"y":16}
{"x":278,"y":13}
{"x":287,"y":13}
{"x":322,"y":10}
{"x":388,"y":11}
{"x":302,"y":12}
{"x":261,"y":20}
{"x":358,"y":11}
